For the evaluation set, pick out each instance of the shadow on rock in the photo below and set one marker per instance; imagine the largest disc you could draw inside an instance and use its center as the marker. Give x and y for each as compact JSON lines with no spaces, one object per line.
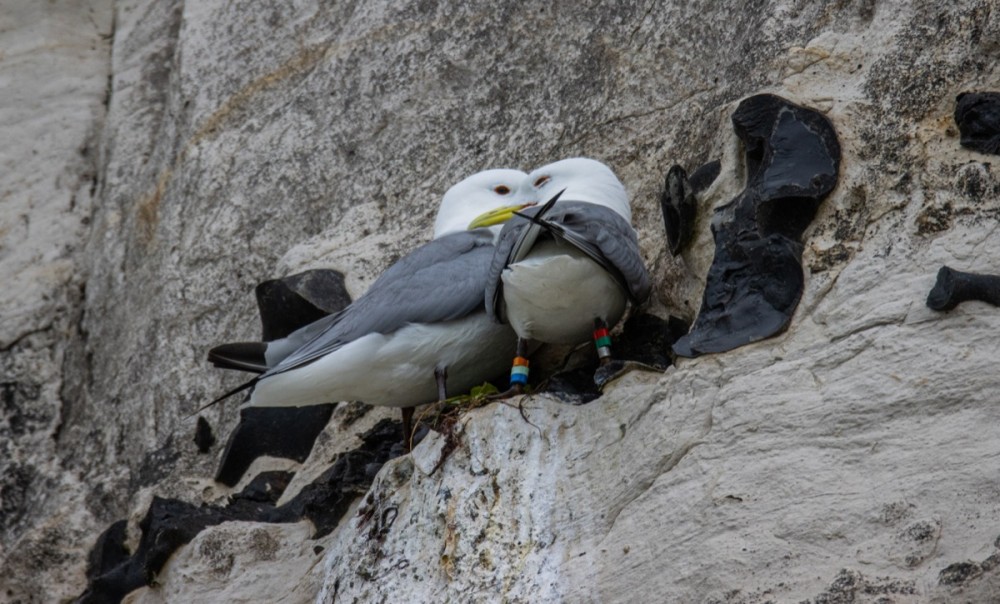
{"x":645,"y":340}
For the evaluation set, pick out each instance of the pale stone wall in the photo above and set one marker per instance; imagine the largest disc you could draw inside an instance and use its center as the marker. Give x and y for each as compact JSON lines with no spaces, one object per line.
{"x":243,"y":142}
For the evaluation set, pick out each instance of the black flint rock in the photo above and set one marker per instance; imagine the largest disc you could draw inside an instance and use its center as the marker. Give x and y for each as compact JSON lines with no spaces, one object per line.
{"x":203,"y":436}
{"x":169,"y":523}
{"x":285,"y":432}
{"x":285,"y":305}
{"x":954,"y":287}
{"x":292,"y":302}
{"x":755,"y":281}
{"x":678,"y":202}
{"x":978,"y":117}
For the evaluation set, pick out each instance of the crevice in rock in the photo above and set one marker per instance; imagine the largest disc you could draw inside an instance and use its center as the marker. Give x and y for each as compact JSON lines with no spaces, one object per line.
{"x":897,"y":320}
{"x":21,"y":337}
{"x":627,"y":116}
{"x":77,"y":367}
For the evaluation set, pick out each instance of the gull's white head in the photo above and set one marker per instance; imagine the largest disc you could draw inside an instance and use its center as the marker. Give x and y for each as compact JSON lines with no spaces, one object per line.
{"x":476,"y":195}
{"x":583,"y":179}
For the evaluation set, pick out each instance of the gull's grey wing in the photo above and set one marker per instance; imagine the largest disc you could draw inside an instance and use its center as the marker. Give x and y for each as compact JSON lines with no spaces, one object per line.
{"x":600,"y":231}
{"x":279,"y":350}
{"x":597,"y":231}
{"x":513,"y":238}
{"x":439,"y":281}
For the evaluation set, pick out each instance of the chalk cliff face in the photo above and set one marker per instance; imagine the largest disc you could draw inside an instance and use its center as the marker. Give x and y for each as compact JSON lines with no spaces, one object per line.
{"x":164,"y":157}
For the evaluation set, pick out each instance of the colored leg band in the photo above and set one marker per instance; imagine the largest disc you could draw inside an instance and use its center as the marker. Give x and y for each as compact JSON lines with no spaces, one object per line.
{"x":519,"y":372}
{"x":518,"y":375}
{"x":602,"y":340}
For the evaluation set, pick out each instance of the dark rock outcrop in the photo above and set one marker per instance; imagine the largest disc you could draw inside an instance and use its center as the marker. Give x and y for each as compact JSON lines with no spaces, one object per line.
{"x":978,"y":117}
{"x":285,"y":305}
{"x":755,"y":281}
{"x":678,"y":202}
{"x":289,"y":303}
{"x":113,"y":572}
{"x":954,"y":287}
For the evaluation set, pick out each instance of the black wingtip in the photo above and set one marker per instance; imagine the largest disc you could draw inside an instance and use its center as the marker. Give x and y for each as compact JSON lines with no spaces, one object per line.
{"x":242,"y":356}
{"x":548,"y":204}
{"x":537,"y":216}
{"x":244,"y":386}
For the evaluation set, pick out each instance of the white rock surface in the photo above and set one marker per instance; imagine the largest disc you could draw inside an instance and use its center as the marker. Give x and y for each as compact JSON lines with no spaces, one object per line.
{"x":53,"y":86}
{"x":850,"y":459}
{"x":273,"y":563}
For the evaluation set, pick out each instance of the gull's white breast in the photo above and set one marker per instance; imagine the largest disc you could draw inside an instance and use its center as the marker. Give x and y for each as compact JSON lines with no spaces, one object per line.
{"x":554,"y":294}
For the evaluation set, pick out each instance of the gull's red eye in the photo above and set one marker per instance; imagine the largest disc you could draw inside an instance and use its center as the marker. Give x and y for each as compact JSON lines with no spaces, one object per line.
{"x":541,"y":181}
{"x":501,"y":189}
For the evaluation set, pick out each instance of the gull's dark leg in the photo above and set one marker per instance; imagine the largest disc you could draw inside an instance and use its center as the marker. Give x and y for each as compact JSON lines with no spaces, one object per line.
{"x":518,"y":373}
{"x":602,"y":341}
{"x":407,"y":426}
{"x":609,"y":368}
{"x":441,"y":375}
{"x":519,"y":370}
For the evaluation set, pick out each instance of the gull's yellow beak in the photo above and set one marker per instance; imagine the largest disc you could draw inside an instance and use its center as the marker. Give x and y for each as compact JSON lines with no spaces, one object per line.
{"x":497,"y":216}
